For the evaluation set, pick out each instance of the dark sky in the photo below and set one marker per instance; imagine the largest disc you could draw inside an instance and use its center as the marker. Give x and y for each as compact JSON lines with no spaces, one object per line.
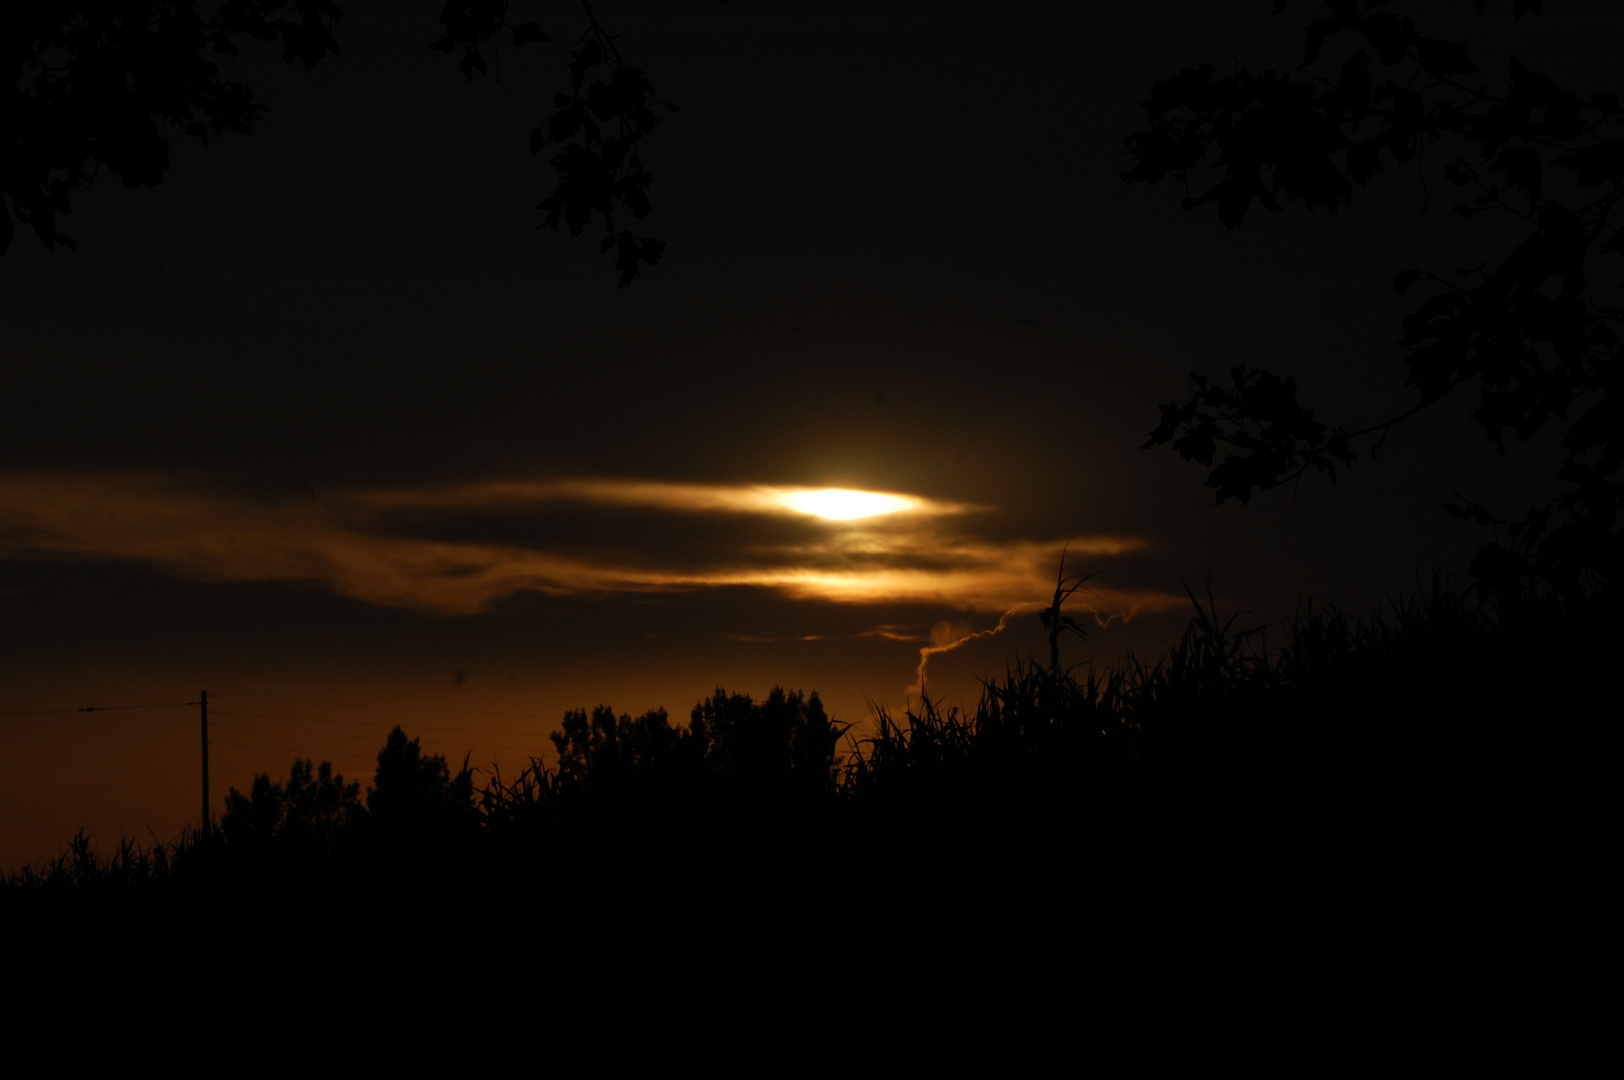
{"x":327,"y":419}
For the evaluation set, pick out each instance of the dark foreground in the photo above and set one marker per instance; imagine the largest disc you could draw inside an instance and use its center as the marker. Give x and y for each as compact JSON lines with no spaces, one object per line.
{"x":1379,"y":826}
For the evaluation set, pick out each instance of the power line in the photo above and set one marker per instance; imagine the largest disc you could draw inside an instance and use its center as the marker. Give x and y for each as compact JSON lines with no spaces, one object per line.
{"x":291,"y":750}
{"x":388,"y":708}
{"x":368,"y":723}
{"x":344,"y":735}
{"x":293,"y":701}
{"x":98,"y":708}
{"x":355,"y":755}
{"x":290,"y":731}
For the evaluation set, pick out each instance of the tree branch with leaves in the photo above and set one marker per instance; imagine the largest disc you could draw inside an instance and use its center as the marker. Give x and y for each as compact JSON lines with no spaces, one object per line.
{"x":596,"y":128}
{"x":1537,"y":332}
{"x":100,"y":85}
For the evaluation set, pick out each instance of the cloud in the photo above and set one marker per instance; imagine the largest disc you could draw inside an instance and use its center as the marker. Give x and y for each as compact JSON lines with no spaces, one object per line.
{"x":349,"y":542}
{"x":892,"y":632}
{"x":678,"y":498}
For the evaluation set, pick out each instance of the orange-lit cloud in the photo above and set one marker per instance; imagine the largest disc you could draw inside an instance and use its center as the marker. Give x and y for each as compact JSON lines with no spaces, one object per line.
{"x":892,"y":632}
{"x":678,"y":498}
{"x":346,"y":544}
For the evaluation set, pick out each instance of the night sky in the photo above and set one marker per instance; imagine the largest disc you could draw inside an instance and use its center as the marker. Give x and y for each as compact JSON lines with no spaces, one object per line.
{"x":327,"y":426}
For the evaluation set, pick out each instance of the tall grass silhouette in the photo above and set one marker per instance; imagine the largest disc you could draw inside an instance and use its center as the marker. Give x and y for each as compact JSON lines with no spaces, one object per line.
{"x":1420,"y":793}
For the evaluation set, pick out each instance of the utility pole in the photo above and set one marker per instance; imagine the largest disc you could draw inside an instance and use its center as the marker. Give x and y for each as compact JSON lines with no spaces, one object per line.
{"x":203,"y":702}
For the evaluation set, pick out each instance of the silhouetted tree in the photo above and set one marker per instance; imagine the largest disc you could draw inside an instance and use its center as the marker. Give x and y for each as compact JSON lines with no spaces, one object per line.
{"x":1534,"y":330}
{"x":313,"y":808}
{"x":785,"y":743}
{"x":415,"y":796}
{"x":606,"y":749}
{"x":93,"y":84}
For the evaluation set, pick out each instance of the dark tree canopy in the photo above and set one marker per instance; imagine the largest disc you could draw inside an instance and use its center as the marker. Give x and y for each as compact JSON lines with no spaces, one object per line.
{"x":415,"y":795}
{"x":313,"y":807}
{"x":784,"y":743}
{"x":102,"y":84}
{"x":1537,"y":331}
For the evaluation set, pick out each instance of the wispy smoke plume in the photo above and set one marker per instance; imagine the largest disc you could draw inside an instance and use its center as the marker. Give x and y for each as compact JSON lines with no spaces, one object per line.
{"x":946,"y":636}
{"x":1104,"y":621}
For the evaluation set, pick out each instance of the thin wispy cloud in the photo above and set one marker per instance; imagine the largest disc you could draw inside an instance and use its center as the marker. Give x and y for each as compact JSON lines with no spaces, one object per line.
{"x":920,"y":553}
{"x":893,"y":632}
{"x":678,"y":498}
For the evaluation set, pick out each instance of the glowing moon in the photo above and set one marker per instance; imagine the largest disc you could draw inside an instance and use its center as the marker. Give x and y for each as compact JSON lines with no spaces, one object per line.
{"x":839,"y":504}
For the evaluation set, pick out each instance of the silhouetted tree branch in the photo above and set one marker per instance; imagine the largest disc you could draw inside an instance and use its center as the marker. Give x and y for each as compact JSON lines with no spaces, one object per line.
{"x":93,"y":84}
{"x":596,"y":127}
{"x":97,"y":84}
{"x":1532,"y":330}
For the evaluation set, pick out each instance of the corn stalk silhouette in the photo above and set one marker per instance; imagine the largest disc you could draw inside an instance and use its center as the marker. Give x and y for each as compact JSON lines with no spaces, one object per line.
{"x":1055,"y":621}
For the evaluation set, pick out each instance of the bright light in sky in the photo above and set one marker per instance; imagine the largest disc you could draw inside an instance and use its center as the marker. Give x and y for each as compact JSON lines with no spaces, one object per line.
{"x":838,"y":504}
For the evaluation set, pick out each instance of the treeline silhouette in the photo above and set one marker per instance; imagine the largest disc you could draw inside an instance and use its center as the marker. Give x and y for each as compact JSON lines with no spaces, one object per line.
{"x":1420,"y":803}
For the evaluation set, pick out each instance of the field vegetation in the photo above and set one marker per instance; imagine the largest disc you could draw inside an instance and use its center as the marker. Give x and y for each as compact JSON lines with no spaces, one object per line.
{"x":1422,"y":800}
